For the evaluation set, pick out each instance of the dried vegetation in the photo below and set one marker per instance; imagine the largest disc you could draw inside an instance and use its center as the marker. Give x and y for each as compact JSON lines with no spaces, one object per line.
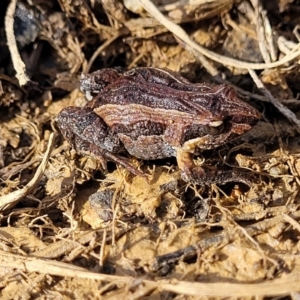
{"x":70,"y":232}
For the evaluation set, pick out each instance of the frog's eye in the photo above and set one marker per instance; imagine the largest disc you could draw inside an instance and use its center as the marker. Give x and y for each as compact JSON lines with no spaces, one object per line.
{"x":216,"y":123}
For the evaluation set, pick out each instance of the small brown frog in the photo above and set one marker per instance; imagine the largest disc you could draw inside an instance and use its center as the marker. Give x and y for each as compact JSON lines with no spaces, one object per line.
{"x":155,"y":113}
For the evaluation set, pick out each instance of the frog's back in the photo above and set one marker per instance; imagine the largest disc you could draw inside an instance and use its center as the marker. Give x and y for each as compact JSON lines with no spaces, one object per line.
{"x":126,"y":92}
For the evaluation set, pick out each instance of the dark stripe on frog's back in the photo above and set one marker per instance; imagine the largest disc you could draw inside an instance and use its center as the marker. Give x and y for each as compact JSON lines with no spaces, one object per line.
{"x":166,"y":77}
{"x":124,"y":92}
{"x":220,"y":100}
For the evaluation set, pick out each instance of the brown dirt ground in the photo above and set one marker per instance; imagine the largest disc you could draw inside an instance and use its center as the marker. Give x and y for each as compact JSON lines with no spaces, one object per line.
{"x":161,"y":238}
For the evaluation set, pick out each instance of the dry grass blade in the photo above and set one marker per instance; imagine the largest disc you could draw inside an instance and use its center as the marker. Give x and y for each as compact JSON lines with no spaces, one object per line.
{"x":181,"y":34}
{"x":277,"y":287}
{"x":45,"y":266}
{"x":12,"y":45}
{"x":10,"y":200}
{"x":283,"y":286}
{"x":98,"y":51}
{"x":264,"y":33}
{"x":284,"y":110}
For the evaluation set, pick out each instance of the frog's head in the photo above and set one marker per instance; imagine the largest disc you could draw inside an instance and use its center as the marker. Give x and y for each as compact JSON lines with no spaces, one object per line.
{"x":94,"y":83}
{"x":239,"y":114}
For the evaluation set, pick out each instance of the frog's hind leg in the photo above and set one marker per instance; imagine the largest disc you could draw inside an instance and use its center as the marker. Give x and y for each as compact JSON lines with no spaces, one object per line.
{"x":103,"y":156}
{"x":89,"y":135}
{"x":123,"y":162}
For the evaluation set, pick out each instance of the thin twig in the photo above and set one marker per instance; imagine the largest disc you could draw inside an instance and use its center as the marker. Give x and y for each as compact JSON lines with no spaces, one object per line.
{"x":224,"y":60}
{"x":281,"y":286}
{"x":212,"y":70}
{"x":19,"y":65}
{"x":261,"y":20}
{"x":293,"y":222}
{"x":99,"y":50}
{"x":284,"y":110}
{"x":10,"y":200}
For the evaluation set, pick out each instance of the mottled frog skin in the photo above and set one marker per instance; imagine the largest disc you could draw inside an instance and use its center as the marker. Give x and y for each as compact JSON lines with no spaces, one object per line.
{"x":155,"y":113}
